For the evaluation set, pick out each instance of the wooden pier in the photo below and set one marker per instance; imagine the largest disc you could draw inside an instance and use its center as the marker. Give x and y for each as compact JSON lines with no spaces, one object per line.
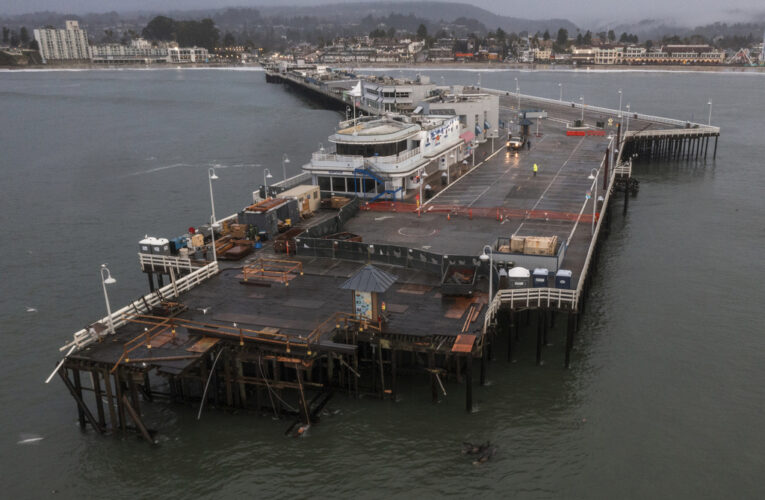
{"x":280,"y":334}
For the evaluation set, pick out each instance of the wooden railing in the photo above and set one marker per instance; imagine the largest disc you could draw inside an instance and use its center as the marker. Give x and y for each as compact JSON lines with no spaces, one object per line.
{"x":87,"y":336}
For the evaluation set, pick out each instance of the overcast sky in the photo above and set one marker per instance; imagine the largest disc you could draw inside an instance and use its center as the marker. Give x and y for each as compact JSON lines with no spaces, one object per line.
{"x":583,"y":12}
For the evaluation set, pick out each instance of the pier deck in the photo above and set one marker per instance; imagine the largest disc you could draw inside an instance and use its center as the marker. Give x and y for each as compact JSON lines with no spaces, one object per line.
{"x":297,"y":333}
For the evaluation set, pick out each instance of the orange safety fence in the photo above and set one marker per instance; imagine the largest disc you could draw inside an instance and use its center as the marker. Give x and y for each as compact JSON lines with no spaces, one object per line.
{"x":498,"y":213}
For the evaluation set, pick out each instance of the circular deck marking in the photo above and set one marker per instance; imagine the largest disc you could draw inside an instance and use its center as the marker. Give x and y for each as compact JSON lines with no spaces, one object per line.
{"x":416,"y":232}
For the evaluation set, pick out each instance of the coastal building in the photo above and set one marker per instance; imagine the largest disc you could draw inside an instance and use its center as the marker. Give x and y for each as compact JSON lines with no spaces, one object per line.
{"x":388,"y":156}
{"x":68,"y":44}
{"x":393,"y":94}
{"x":609,"y":55}
{"x":478,"y":113}
{"x":139,"y":51}
{"x":181,"y":55}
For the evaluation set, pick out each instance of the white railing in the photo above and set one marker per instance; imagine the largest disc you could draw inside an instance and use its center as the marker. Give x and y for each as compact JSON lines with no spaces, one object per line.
{"x":531,"y":297}
{"x":614,"y":112}
{"x":295,"y":180}
{"x":334,"y":160}
{"x":86,"y":336}
{"x":673,"y":132}
{"x":166,"y":262}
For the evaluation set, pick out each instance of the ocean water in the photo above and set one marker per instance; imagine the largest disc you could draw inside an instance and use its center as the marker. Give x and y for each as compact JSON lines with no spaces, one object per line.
{"x":664,"y":398}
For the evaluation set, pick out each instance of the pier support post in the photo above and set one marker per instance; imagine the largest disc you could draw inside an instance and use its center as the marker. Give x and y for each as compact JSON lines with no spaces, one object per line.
{"x":78,"y":397}
{"x":626,"y":196}
{"x":82,"y":408}
{"x":512,"y":328}
{"x":714,"y":153}
{"x":540,"y":320}
{"x":433,"y":382}
{"x":151,"y":281}
{"x":469,"y":383}
{"x":570,"y":327}
{"x":484,"y":356}
{"x":114,"y":421}
{"x":160,"y":282}
{"x":99,"y":400}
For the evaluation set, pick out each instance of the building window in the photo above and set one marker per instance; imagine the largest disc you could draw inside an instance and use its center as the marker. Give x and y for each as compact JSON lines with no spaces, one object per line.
{"x":324,"y":184}
{"x":338,"y":184}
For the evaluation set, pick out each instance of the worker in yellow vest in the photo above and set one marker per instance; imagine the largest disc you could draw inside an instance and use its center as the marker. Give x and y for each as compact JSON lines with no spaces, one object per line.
{"x":536,"y":168}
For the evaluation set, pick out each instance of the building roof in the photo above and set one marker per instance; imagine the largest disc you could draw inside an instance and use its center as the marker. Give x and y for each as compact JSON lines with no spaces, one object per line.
{"x":369,"y":279}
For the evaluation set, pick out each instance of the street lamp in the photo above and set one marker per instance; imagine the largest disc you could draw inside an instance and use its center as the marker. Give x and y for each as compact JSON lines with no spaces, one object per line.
{"x":560,"y":89}
{"x":494,"y":133}
{"x":266,"y":175}
{"x":107,"y":280}
{"x":709,"y":122}
{"x":518,"y":92}
{"x":620,"y":102}
{"x":211,"y":177}
{"x":581,"y":100}
{"x":285,"y":160}
{"x":489,"y":257}
{"x":627,"y":107}
{"x":594,"y":177}
{"x":213,"y":226}
{"x":347,"y":113}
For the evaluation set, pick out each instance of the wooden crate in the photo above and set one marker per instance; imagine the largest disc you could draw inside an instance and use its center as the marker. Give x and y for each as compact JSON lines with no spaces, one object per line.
{"x":540,"y":245}
{"x":338,"y":202}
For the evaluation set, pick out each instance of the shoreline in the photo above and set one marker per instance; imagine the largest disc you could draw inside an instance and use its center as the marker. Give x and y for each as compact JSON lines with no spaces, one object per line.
{"x":426,"y":66}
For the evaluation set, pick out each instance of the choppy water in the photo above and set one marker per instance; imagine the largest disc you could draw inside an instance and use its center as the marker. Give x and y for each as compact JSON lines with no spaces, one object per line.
{"x":665,"y":397}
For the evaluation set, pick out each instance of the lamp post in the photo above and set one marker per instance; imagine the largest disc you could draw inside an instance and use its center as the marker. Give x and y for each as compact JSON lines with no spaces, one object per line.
{"x":285,"y":160}
{"x":620,"y":101}
{"x":594,"y":177}
{"x":211,"y":177}
{"x":709,"y":121}
{"x":266,"y":175}
{"x":560,"y":90}
{"x":107,"y":280}
{"x":489,"y":257}
{"x":213,"y":226}
{"x":627,"y":107}
{"x":518,"y":93}
{"x":494,"y":133}
{"x":581,"y":100}
{"x":347,"y":113}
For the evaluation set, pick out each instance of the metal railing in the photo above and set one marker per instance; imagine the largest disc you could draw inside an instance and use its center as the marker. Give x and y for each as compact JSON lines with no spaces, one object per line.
{"x":609,"y":111}
{"x":166,"y":262}
{"x":291,"y":182}
{"x":349,"y":161}
{"x":87,"y":336}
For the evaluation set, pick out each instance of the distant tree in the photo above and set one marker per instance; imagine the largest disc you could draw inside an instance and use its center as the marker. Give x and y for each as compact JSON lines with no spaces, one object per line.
{"x":562,"y":39}
{"x":197,"y":33}
{"x":443,"y":34}
{"x":24,"y":36}
{"x":611,"y":35}
{"x":587,"y":40}
{"x":229,"y":40}
{"x":6,"y":34}
{"x":160,"y":28}
{"x":546,"y":35}
{"x":579,"y":39}
{"x":391,"y":32}
{"x":14,"y":41}
{"x":623,"y":38}
{"x":648,"y":44}
{"x":501,"y":35}
{"x":422,"y":32}
{"x":378,"y":33}
{"x":33,"y":45}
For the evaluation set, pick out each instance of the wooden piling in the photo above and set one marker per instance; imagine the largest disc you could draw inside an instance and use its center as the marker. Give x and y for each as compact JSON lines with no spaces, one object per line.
{"x":469,"y":383}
